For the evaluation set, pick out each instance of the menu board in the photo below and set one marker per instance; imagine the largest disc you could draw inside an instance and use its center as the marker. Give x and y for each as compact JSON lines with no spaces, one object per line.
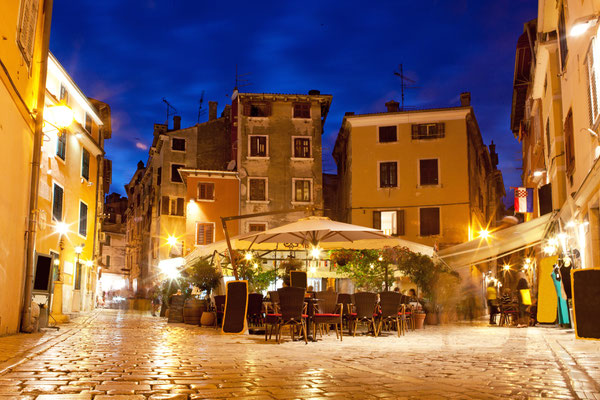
{"x":236,"y":307}
{"x":586,"y":302}
{"x":298,"y":279}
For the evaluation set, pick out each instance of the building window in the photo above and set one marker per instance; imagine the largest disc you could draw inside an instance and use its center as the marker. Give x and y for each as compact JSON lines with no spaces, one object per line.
{"x":257,"y":227}
{"x":428,"y":131}
{"x":258,"y":146}
{"x":592,"y":67}
{"x":301,"y":110}
{"x":429,"y":221}
{"x":569,"y":143}
{"x":107,"y":262}
{"x":257,"y":189}
{"x":387,"y":134}
{"x":206,"y":191}
{"x":55,"y":267}
{"x":107,"y":241}
{"x":428,"y":172}
{"x":390,"y":222}
{"x":257,"y":109}
{"x":302,"y":190}
{"x":548,"y":143}
{"x":175,"y":175}
{"x":83,"y":212}
{"x":302,"y":147}
{"x":172,"y":206}
{"x":77,"y":281}
{"x":57,"y":203}
{"x":205,"y":233}
{"x":85,"y":164}
{"x":64,"y":94}
{"x":562,"y":38}
{"x":88,"y":123}
{"x":388,"y":174}
{"x":178,"y":144}
{"x":158,"y":176}
{"x":61,"y":145}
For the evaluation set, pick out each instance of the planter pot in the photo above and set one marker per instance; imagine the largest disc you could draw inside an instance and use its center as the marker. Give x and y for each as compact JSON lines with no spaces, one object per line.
{"x":419,"y":319}
{"x":208,"y":318}
{"x":192,"y":311}
{"x":431,"y":319}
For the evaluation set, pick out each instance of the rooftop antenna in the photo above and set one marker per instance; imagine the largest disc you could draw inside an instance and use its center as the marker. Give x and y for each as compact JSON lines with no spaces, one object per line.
{"x":240,"y":79}
{"x":405,"y":83}
{"x":201,"y":112}
{"x":170,"y":110}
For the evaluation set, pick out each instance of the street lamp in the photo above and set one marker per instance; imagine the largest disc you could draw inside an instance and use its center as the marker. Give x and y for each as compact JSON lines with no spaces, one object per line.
{"x":60,"y":116}
{"x":581,"y":25}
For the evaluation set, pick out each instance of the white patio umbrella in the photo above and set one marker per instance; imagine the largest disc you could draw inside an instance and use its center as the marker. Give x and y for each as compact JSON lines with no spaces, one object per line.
{"x":314,"y":230}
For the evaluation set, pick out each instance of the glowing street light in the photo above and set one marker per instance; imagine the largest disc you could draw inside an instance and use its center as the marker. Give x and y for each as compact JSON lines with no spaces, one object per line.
{"x":89,"y":263}
{"x":79,"y":249}
{"x":581,"y":25}
{"x":171,"y":240}
{"x":248,"y":256}
{"x":316,"y":252}
{"x":61,"y":228}
{"x":171,"y":267}
{"x":506,"y":267}
{"x":61,"y":116}
{"x":484,"y":234}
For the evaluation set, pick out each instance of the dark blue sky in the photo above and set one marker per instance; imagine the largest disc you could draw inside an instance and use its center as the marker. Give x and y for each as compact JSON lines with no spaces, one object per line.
{"x":131,"y":54}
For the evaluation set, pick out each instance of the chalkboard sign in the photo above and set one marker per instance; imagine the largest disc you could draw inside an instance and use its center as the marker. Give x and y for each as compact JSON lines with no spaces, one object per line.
{"x":586,"y":302}
{"x":43,"y":270}
{"x":236,"y":307}
{"x":298,"y":279}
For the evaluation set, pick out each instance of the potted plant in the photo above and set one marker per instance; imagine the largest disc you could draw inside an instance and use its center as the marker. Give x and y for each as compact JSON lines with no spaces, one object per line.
{"x":203,"y":275}
{"x":366,"y":268}
{"x":169,"y":290}
{"x":291,"y":264}
{"x":341,"y":257}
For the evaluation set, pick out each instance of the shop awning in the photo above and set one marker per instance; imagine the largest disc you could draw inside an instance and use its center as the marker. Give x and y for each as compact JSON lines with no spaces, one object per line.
{"x":498,"y":244}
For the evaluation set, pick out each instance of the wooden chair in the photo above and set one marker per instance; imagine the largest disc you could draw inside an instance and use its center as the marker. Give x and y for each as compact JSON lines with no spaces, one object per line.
{"x":389,"y":306}
{"x":292,"y":312}
{"x":255,"y":312}
{"x":365,"y":307}
{"x":327,"y":312}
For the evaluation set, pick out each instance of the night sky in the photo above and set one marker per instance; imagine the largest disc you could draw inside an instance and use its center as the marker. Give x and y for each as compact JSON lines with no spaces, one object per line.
{"x":131,"y":54}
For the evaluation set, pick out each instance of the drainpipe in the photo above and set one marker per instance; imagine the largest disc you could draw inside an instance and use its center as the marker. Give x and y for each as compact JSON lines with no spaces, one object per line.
{"x":26,"y":325}
{"x":99,"y":186}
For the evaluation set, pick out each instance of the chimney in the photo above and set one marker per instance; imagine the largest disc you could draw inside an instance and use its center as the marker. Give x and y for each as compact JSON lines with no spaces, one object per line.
{"x":176,"y":122}
{"x":226,"y":111}
{"x":349,"y":113}
{"x":465,"y":99}
{"x":493,"y":154}
{"x":140,"y":165}
{"x":314,"y":92}
{"x":392,"y":106}
{"x":212,"y":110}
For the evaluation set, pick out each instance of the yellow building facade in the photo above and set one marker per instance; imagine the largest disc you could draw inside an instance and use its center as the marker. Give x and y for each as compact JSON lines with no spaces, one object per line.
{"x":23,"y":46}
{"x":71,"y":195}
{"x":425,"y":176}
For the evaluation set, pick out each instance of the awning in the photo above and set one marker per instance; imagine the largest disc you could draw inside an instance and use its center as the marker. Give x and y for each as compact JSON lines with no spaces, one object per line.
{"x":238,"y":244}
{"x":498,"y":244}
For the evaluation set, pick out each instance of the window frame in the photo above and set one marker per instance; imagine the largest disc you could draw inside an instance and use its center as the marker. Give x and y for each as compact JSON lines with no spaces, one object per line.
{"x":418,"y":136}
{"x":439,"y":222}
{"x":400,"y":228}
{"x":184,"y":144}
{"x":300,"y":103}
{"x":249,"y":223}
{"x":84,"y":151}
{"x":62,"y":208}
{"x":310,"y":149}
{"x":561,"y":30}
{"x":171,"y":174}
{"x":250,"y":156}
{"x":88,"y":123}
{"x":387,"y":141}
{"x":58,"y":141}
{"x":420,"y":176}
{"x":592,"y":68}
{"x":198,"y":223}
{"x":310,"y":191}
{"x":379,"y":164}
{"x":79,"y":226}
{"x":198,"y":191}
{"x":253,"y":178}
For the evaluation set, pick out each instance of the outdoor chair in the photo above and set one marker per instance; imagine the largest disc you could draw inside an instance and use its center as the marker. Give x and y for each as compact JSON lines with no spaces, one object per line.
{"x":509,"y":314}
{"x":389,"y":306}
{"x":327,"y":312}
{"x":292,"y":312}
{"x":345,"y":299}
{"x":407,"y":312}
{"x":271,"y":307}
{"x":365,"y":306}
{"x":219,"y":309}
{"x":255,"y":312}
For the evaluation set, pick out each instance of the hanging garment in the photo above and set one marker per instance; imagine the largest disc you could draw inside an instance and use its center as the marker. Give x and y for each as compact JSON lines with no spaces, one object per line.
{"x":563,"y":309}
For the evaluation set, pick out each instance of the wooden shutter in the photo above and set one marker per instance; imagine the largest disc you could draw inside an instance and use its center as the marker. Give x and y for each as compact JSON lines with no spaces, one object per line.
{"x":415,"y":131}
{"x":165,"y":205}
{"x":569,"y":143}
{"x":200,"y":233}
{"x":180,"y":203}
{"x":441,"y":129}
{"x":377,"y":219}
{"x":27,"y":26}
{"x":400,"y":223}
{"x":57,"y":205}
{"x":208,"y":233}
{"x":158,"y":176}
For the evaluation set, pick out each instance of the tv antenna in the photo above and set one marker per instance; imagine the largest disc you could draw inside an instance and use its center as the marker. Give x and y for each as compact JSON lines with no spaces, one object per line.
{"x":170,"y":110}
{"x":240,"y":79}
{"x":405,"y":83}
{"x":201,"y":112}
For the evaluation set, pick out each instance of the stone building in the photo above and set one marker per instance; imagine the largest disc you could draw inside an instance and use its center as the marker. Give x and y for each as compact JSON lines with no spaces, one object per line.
{"x":424,"y":175}
{"x":114,"y":275}
{"x":156,"y":215}
{"x":276,"y":142}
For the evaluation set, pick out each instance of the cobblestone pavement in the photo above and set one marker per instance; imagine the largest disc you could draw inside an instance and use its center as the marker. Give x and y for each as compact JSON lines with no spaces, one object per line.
{"x":120,"y":355}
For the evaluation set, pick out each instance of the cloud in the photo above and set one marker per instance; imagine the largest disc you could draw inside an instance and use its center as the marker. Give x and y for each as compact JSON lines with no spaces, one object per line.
{"x":141,"y":146}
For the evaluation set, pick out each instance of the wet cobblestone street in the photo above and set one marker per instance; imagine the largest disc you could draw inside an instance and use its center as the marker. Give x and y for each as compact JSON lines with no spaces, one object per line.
{"x":119,"y":355}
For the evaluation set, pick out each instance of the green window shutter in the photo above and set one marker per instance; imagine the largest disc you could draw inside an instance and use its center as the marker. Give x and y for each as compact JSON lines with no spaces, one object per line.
{"x":57,"y":204}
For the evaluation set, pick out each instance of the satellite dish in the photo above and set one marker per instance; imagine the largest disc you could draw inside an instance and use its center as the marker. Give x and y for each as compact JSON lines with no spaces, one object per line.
{"x":231,"y":165}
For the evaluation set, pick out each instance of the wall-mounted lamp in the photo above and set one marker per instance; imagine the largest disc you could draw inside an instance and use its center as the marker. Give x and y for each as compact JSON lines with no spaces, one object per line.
{"x":581,"y":25}
{"x":60,"y":116}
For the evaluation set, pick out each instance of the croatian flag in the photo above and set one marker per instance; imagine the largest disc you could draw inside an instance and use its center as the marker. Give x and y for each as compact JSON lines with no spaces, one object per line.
{"x":523,"y":200}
